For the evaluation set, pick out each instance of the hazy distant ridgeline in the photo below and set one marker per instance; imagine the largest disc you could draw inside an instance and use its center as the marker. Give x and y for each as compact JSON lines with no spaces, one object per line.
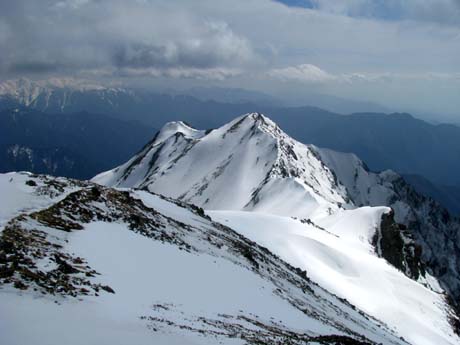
{"x":397,"y":141}
{"x":72,"y":145}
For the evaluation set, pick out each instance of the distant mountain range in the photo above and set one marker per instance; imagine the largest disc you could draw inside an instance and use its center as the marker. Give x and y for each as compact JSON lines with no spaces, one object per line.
{"x":73,"y":145}
{"x":448,"y":196}
{"x":241,"y":96}
{"x":67,"y":95}
{"x":395,"y":141}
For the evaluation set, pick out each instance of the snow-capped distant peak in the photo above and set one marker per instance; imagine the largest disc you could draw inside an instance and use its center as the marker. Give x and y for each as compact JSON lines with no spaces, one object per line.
{"x":28,"y":92}
{"x":240,"y":165}
{"x":15,"y":86}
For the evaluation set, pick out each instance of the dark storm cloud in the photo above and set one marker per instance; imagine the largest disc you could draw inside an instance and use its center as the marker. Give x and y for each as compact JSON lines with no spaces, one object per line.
{"x":33,"y":67}
{"x":172,"y":54}
{"x":55,"y":36}
{"x":81,"y":35}
{"x":142,"y":56}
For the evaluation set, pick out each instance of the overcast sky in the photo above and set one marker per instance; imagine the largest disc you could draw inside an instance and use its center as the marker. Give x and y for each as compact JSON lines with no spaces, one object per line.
{"x":404,"y":54}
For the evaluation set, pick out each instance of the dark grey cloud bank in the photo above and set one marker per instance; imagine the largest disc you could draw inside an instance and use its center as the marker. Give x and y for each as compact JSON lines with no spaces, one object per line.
{"x":106,"y":36}
{"x":401,"y":54}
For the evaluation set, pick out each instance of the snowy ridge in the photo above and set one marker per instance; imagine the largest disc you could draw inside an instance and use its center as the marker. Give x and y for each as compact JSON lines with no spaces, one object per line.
{"x":250,"y":164}
{"x":134,"y":267}
{"x":337,"y":253}
{"x":433,"y":229}
{"x":251,"y":154}
{"x":284,"y":251}
{"x":364,"y":187}
{"x":25,"y":192}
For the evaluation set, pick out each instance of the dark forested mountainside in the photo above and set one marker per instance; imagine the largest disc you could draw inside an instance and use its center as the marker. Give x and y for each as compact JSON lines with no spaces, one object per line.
{"x":73,"y":145}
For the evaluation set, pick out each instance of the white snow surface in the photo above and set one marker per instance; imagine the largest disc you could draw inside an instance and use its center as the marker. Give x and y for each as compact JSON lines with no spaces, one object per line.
{"x":17,"y":197}
{"x":341,"y":259}
{"x":161,"y":290}
{"x":143,"y":273}
{"x":291,"y":198}
{"x":239,"y":166}
{"x":251,"y":165}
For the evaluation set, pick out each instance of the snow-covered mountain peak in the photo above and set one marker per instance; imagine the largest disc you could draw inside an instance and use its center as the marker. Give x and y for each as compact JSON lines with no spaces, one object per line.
{"x":250,"y":164}
{"x":254,"y":120}
{"x":251,"y":124}
{"x":238,"y":166}
{"x":306,"y":210}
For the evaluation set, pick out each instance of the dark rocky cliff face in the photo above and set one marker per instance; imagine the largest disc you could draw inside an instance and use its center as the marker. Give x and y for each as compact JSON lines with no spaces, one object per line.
{"x":430,"y":234}
{"x":395,"y":243}
{"x":71,"y":145}
{"x":436,"y":232}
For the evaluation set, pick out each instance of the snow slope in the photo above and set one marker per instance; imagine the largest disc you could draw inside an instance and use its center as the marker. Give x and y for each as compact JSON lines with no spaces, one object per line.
{"x":250,"y":164}
{"x":18,"y":197}
{"x":433,"y":229}
{"x":338,"y":255}
{"x":109,"y":266}
{"x":238,"y":166}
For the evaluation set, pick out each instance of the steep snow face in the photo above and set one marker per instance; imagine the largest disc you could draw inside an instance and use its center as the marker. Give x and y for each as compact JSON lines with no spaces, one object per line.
{"x":251,"y":165}
{"x":337,"y":253}
{"x":239,"y":166}
{"x":434,"y":230}
{"x":132,"y":267}
{"x":363,"y":187}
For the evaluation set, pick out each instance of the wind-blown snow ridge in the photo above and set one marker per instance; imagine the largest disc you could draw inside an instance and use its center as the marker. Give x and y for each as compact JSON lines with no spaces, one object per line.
{"x":436,"y":233}
{"x":251,"y":154}
{"x":250,"y":164}
{"x":147,"y":269}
